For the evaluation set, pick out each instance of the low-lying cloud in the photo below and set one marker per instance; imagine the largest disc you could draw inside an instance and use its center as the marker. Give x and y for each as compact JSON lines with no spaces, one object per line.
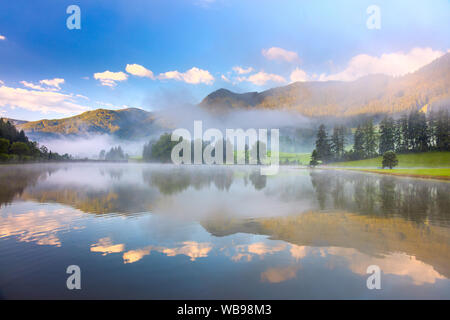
{"x":90,"y":146}
{"x":393,"y":64}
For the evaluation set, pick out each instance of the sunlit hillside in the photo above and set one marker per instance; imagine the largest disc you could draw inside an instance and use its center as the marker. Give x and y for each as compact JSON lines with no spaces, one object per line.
{"x":428,"y":87}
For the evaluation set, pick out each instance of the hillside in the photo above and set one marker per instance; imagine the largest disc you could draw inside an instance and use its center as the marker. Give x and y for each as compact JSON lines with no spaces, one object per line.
{"x":14,"y":121}
{"x":428,"y":86}
{"x":125,"y":124}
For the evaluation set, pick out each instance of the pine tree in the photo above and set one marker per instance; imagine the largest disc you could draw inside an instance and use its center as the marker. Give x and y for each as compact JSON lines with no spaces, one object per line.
{"x":358,"y":146}
{"x":323,"y":145}
{"x":370,"y":140}
{"x":412,"y":131}
{"x":422,"y":133}
{"x":387,"y":135}
{"x":402,"y":134}
{"x":22,"y":137}
{"x":314,"y":159}
{"x":432,"y":129}
{"x":335,"y":144}
{"x":442,"y":131}
{"x":338,"y":143}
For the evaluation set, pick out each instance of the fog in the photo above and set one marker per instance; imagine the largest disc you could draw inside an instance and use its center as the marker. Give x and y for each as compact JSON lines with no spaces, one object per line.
{"x":181,"y":114}
{"x":90,"y":146}
{"x":176,"y":109}
{"x":174,"y":116}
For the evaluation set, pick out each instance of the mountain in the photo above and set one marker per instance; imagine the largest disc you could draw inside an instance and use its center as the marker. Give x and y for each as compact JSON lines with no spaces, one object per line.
{"x":428,"y":86}
{"x":125,"y":124}
{"x":14,"y":121}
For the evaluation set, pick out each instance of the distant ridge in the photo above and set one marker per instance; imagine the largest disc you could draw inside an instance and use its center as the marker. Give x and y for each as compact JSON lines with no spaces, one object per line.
{"x":368,"y":95}
{"x":125,"y":124}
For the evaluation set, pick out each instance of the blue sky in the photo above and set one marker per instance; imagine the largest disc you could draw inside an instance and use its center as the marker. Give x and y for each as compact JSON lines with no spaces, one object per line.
{"x":186,"y":49}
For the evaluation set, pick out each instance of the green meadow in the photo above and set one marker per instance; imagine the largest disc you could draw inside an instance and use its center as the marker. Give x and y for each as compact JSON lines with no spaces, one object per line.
{"x":420,"y":165}
{"x":301,"y":158}
{"x":411,"y":160}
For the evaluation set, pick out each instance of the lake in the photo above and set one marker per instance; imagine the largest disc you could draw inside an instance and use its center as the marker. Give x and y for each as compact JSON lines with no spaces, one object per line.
{"x":146,"y":231}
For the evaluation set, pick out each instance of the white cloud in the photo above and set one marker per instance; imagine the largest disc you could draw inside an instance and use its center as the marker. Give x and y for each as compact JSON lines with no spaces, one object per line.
{"x":139,"y":71}
{"x":240,"y":70}
{"x":32,"y":85}
{"x":41,"y":101}
{"x":81,"y":96}
{"x":261,"y":78}
{"x":51,"y":84}
{"x":298,"y":75}
{"x":1,"y":83}
{"x":393,"y":64}
{"x":108,"y":78}
{"x":224,"y":78}
{"x":2,"y":37}
{"x":276,"y":53}
{"x":192,"y":76}
{"x":56,"y":82}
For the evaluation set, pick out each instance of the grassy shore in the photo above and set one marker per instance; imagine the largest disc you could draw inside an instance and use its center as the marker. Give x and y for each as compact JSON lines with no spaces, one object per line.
{"x":410,"y":160}
{"x":429,"y":165}
{"x":302,"y":158}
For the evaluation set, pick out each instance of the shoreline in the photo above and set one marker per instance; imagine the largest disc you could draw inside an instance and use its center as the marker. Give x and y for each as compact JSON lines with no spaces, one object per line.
{"x":397,"y":174}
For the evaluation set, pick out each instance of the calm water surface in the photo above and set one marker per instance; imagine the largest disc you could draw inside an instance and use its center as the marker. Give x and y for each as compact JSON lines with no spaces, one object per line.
{"x":163,"y":232}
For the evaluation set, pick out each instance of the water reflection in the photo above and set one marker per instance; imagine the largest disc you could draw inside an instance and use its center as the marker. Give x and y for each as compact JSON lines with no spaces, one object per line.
{"x":39,"y":225}
{"x":174,"y":226}
{"x":105,"y":246}
{"x":383,"y":195}
{"x":14,"y":180}
{"x":191,"y":249}
{"x":368,"y":234}
{"x":175,"y":180}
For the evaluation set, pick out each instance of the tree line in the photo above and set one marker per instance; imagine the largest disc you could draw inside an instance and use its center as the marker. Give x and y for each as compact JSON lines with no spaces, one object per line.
{"x":160,"y":150}
{"x":114,"y":154}
{"x":413,"y":132}
{"x":16,"y":147}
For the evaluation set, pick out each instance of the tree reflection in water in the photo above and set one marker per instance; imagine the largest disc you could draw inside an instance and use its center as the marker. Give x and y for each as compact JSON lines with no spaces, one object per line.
{"x":413,"y":199}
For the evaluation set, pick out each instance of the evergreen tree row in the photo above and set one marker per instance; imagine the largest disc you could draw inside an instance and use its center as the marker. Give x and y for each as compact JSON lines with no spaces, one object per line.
{"x":15,"y":146}
{"x":413,"y":132}
{"x":114,"y":154}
